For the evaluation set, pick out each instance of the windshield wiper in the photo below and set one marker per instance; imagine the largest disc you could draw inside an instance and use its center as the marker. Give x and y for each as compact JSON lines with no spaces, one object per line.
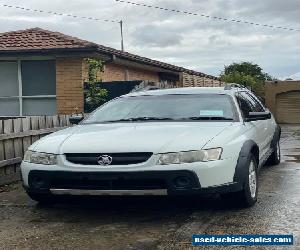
{"x":145,"y":118}
{"x":209,"y":118}
{"x":148,"y":118}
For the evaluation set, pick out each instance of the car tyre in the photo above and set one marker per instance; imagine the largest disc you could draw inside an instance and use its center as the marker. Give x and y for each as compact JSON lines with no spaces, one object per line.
{"x":247,"y":197}
{"x":274,"y":158}
{"x":46,"y":199}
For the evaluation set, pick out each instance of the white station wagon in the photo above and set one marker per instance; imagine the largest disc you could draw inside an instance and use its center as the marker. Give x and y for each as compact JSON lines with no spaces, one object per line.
{"x":182,"y":141}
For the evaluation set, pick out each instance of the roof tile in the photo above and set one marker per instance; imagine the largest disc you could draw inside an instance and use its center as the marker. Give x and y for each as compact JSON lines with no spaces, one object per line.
{"x":36,"y":38}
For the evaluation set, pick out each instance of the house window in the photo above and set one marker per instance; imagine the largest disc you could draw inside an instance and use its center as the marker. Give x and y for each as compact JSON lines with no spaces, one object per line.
{"x":9,"y":88}
{"x":27,"y":87}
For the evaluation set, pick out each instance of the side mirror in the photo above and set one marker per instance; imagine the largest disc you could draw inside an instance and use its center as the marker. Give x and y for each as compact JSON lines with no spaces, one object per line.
{"x":255,"y":116}
{"x":75,"y":119}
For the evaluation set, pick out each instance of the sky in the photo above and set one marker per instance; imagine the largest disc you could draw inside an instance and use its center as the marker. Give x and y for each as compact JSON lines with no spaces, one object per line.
{"x":195,"y":42}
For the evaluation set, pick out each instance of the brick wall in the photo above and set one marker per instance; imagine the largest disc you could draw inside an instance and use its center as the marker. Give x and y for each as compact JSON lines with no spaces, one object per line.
{"x":71,"y":73}
{"x":188,"y":80}
{"x":69,"y":84}
{"x":114,"y":72}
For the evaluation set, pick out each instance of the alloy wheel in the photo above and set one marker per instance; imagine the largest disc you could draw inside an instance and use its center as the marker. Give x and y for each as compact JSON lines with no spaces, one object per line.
{"x":252,"y":179}
{"x":278,"y":151}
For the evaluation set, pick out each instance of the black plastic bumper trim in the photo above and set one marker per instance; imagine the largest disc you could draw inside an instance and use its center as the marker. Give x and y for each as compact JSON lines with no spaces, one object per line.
{"x":167,"y":176}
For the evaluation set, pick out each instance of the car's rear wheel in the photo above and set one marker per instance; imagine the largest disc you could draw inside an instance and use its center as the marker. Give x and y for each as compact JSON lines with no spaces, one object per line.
{"x":248,"y":196}
{"x":274,"y":158}
{"x":42,"y":198}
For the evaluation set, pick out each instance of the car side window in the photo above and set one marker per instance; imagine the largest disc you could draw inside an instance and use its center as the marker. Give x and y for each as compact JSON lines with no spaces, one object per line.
{"x":254,"y":103}
{"x":258,"y":105}
{"x":245,"y":105}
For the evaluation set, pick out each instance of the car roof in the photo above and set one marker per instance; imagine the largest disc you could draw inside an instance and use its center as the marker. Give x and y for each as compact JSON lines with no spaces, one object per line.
{"x":187,"y":91}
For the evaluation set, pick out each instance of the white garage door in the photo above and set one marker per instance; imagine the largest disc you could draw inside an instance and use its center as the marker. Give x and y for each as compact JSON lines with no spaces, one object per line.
{"x":288,"y":107}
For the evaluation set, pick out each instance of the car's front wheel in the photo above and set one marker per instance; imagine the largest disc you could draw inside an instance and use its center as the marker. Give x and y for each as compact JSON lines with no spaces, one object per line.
{"x":248,"y":196}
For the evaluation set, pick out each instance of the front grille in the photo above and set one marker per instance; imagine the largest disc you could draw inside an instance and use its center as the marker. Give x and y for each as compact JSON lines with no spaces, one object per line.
{"x":117,"y":158}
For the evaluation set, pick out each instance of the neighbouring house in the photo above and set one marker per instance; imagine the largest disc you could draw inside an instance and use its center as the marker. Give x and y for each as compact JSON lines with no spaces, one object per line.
{"x":283,"y":99}
{"x":43,"y":72}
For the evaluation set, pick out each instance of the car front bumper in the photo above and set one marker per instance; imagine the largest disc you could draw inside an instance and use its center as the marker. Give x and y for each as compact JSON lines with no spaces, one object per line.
{"x":177,"y":179}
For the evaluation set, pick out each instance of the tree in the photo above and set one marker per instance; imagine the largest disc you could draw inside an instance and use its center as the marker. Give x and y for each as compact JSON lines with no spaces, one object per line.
{"x":248,"y":68}
{"x":240,"y":78}
{"x":95,"y":96}
{"x":247,"y":74}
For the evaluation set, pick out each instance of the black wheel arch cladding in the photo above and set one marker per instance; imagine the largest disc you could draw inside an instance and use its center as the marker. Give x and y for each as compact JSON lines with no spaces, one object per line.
{"x":241,"y":172}
{"x":248,"y":147}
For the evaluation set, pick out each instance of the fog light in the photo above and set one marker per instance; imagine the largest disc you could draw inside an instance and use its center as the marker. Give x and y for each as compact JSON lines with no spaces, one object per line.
{"x":38,"y":182}
{"x":182,"y":182}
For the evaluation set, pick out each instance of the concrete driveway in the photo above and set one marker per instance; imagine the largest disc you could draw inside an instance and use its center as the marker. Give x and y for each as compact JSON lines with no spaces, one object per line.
{"x":155,"y":223}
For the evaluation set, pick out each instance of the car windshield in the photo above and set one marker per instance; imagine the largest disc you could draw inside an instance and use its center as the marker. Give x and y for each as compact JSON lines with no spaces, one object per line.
{"x":165,"y":107}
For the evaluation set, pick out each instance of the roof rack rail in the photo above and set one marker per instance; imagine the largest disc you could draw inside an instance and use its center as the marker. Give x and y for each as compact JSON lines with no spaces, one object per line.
{"x":229,"y":86}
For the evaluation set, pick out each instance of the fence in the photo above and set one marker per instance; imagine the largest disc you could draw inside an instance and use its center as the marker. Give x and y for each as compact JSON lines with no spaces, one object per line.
{"x":16,"y":135}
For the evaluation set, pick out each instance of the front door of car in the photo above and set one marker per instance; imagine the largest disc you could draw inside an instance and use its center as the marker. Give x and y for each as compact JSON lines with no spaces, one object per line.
{"x":270,"y":124}
{"x":260,"y":132}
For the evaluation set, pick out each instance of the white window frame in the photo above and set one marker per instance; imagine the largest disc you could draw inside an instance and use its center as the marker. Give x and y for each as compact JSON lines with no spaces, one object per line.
{"x":20,"y":96}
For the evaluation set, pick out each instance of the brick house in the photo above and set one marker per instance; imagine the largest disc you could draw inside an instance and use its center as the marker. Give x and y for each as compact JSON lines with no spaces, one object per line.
{"x":43,"y":72}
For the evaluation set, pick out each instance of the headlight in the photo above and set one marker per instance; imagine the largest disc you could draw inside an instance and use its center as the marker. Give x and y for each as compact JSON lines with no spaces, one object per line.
{"x":40,"y":158}
{"x":190,"y":156}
